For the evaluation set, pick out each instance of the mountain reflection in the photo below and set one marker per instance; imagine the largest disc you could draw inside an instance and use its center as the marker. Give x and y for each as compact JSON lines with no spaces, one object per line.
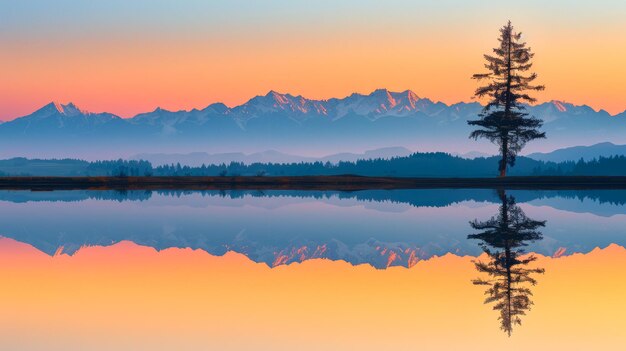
{"x":411,"y":197}
{"x":377,"y":227}
{"x":502,"y":238}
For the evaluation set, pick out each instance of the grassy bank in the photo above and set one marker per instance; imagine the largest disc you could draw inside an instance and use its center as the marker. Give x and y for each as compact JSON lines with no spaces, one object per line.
{"x":346,"y":182}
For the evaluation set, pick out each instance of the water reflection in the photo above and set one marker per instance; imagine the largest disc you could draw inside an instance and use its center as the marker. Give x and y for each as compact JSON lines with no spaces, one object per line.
{"x":377,"y":227}
{"x":89,"y":235}
{"x":590,"y":200}
{"x":506,"y":274}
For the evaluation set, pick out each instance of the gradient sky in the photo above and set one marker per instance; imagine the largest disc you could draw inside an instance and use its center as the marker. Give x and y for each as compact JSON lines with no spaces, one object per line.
{"x":127,"y":57}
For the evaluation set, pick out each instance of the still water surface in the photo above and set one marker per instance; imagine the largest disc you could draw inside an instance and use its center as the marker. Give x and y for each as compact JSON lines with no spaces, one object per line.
{"x":309,"y":270}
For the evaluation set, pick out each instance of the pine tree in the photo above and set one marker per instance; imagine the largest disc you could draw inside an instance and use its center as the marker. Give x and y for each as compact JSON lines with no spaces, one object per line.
{"x":503,"y":120}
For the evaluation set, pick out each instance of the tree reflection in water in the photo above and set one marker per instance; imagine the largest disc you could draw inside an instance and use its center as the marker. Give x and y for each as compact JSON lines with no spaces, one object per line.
{"x":506,"y":274}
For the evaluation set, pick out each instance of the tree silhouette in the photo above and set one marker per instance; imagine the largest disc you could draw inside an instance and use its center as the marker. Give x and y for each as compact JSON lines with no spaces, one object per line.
{"x":503,"y":237}
{"x":503,"y":120}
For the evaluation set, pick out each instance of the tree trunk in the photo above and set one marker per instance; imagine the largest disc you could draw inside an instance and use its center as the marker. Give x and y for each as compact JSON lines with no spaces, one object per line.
{"x":503,"y":161}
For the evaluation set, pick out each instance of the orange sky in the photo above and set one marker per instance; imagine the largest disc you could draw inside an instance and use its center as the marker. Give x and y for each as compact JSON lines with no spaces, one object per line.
{"x":181,"y":57}
{"x":128,"y":297}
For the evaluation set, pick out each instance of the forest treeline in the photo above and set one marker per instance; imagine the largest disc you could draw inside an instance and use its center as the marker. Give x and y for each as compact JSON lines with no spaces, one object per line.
{"x":436,"y":164}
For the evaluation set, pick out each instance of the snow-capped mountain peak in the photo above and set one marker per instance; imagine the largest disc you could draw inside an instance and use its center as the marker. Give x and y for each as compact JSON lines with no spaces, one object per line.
{"x":73,"y":110}
{"x":217,"y":107}
{"x":559,"y":105}
{"x":55,"y":108}
{"x":382,"y":102}
{"x":278,"y":98}
{"x":277,"y":102}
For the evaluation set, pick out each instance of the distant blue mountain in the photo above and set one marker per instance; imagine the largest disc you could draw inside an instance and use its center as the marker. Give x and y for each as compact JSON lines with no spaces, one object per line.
{"x":289,"y":124}
{"x":575,"y":153}
{"x":269,"y":156}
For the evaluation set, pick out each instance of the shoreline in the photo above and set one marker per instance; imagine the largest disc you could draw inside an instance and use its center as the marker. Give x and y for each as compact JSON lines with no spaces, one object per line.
{"x":340,"y":182}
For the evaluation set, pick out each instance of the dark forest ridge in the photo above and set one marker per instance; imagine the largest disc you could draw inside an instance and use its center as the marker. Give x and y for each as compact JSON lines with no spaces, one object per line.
{"x":341,"y":182}
{"x":417,"y":165}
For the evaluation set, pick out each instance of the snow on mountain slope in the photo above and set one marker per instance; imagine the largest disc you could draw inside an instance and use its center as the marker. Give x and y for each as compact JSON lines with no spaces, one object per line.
{"x":292,"y":124}
{"x":55,"y":115}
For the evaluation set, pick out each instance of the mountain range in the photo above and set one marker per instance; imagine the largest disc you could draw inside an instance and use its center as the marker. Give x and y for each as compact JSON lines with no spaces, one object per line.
{"x":292,"y":125}
{"x":586,"y":153}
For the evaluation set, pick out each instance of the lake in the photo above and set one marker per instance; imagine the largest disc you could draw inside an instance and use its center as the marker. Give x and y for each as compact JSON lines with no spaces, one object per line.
{"x":434,"y":269}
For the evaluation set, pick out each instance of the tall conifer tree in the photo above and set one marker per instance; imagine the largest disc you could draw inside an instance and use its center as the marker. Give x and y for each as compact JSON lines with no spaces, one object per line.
{"x":503,"y":120}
